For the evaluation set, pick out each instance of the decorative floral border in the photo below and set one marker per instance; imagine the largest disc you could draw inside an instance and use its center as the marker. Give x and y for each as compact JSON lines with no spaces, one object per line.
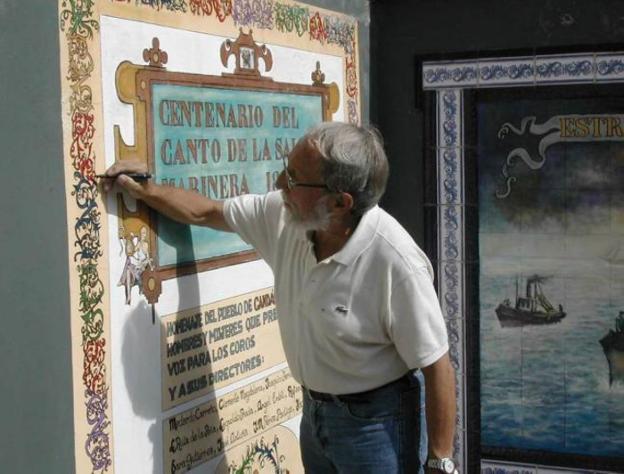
{"x":450,"y":240}
{"x":77,"y":20}
{"x":449,"y":79}
{"x":79,"y":27}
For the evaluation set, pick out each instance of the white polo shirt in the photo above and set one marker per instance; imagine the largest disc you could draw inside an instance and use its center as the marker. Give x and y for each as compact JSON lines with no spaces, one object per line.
{"x":356,"y":320}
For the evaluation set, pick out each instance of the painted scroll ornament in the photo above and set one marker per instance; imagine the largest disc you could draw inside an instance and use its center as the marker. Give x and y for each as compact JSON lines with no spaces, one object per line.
{"x":557,"y":129}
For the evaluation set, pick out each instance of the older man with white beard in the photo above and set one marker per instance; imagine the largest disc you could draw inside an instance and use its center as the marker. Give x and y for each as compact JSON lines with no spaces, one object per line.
{"x":359,"y":318}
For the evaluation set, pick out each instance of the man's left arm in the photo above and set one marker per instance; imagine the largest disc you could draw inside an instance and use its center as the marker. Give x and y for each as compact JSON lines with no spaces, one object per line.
{"x":441,"y":407}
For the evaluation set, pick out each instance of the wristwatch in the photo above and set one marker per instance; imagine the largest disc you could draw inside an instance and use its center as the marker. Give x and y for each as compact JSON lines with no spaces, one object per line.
{"x":446,"y":465}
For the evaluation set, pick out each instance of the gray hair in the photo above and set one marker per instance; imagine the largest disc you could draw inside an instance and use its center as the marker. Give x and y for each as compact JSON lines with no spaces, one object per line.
{"x":354,"y":161}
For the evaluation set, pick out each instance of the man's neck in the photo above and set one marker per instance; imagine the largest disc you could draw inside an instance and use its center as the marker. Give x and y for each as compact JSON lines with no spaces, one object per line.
{"x":331,"y":240}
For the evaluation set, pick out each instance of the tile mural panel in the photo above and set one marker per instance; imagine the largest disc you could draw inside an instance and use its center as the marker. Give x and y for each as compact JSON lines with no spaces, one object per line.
{"x":550,"y":272}
{"x":548,"y":174}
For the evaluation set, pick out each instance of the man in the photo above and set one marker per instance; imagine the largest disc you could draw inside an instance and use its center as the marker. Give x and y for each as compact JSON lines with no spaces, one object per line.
{"x":358,"y":311}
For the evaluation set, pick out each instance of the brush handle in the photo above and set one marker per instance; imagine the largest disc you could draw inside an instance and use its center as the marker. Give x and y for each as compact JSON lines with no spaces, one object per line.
{"x":134,"y":176}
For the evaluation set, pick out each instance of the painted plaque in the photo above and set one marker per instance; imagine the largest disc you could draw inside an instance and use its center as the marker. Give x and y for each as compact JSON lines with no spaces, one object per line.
{"x":209,"y":430}
{"x":221,"y":143}
{"x":206,"y":348}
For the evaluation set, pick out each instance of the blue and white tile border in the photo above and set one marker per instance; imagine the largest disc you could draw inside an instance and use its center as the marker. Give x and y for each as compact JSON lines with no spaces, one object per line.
{"x":448,"y":79}
{"x":585,"y":68}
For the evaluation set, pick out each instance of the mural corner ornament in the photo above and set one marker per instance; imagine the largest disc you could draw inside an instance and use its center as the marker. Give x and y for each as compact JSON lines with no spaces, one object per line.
{"x":247,"y":53}
{"x":155,"y":56}
{"x":318,"y":77}
{"x":318,"y":80}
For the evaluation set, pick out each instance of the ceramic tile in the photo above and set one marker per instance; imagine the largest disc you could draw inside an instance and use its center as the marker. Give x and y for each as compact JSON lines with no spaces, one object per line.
{"x":450,"y":222}
{"x":506,"y":72}
{"x":501,"y":369}
{"x":543,"y":426}
{"x":507,"y":245}
{"x":561,"y":470}
{"x":451,"y":291}
{"x":459,"y":453}
{"x":455,"y":329}
{"x":450,"y":189}
{"x":616,"y":279}
{"x":617,"y":218}
{"x":496,"y":427}
{"x":451,"y":74}
{"x":578,"y":251}
{"x":595,"y":217}
{"x":449,"y":123}
{"x":460,"y":390}
{"x":491,"y":467}
{"x":536,"y":389}
{"x":609,"y":67}
{"x":568,"y":69}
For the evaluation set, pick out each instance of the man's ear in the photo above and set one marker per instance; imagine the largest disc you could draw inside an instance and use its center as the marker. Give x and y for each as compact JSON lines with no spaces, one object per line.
{"x":344,"y":202}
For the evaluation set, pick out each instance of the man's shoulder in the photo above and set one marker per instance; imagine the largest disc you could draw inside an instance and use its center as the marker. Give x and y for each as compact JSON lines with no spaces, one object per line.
{"x":396,"y":246}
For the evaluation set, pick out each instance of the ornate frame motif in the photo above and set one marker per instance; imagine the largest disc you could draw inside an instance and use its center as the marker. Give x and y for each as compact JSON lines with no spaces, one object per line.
{"x":134,"y":85}
{"x":446,"y":83}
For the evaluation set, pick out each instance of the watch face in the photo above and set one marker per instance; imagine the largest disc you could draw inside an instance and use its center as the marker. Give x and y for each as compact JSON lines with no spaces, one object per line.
{"x":448,"y":466}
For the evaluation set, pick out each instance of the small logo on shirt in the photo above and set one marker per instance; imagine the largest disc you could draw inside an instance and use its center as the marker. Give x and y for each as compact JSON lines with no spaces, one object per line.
{"x":341,"y":309}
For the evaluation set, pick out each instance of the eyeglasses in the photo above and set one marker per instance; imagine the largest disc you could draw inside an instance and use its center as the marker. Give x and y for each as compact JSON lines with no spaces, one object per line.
{"x":291,"y":183}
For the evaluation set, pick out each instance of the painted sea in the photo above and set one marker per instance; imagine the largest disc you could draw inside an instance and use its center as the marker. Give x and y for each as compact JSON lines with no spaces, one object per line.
{"x":547,"y":387}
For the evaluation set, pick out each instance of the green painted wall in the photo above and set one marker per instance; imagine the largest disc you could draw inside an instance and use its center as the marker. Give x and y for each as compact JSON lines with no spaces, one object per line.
{"x":36,"y":394}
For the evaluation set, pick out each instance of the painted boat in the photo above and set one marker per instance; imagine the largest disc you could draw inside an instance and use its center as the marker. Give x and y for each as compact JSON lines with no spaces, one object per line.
{"x":531,"y":309}
{"x":613,"y":347}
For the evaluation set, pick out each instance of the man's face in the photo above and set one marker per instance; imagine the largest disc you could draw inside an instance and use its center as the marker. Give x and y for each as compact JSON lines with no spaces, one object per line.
{"x":307,"y":207}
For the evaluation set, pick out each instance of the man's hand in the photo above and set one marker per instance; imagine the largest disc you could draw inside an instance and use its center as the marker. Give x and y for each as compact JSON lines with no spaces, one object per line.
{"x":136,"y":189}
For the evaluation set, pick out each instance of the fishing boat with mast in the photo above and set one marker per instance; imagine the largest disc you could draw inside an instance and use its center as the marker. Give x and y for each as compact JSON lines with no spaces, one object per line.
{"x":613,"y":347}
{"x":532,"y":309}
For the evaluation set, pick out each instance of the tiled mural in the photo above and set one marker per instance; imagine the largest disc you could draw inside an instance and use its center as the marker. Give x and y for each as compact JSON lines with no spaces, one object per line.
{"x":551,"y":230}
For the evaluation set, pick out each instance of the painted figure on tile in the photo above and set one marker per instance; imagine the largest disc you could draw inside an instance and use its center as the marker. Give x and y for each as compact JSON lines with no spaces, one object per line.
{"x":138,"y":259}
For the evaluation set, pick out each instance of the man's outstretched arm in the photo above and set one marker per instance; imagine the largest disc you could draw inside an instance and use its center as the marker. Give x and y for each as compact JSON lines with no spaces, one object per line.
{"x":180,"y":205}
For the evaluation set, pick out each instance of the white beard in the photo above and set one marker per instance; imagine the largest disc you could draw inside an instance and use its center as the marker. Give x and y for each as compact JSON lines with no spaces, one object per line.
{"x":319,"y":220}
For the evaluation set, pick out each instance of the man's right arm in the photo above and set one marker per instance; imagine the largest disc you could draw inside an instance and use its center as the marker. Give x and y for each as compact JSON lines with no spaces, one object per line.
{"x":178,"y":204}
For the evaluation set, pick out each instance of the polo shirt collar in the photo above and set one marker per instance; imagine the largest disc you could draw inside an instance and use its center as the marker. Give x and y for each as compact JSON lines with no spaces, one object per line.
{"x":361,"y":239}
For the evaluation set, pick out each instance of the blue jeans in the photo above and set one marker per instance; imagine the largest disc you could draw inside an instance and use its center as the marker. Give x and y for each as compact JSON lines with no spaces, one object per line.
{"x":385,"y":433}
